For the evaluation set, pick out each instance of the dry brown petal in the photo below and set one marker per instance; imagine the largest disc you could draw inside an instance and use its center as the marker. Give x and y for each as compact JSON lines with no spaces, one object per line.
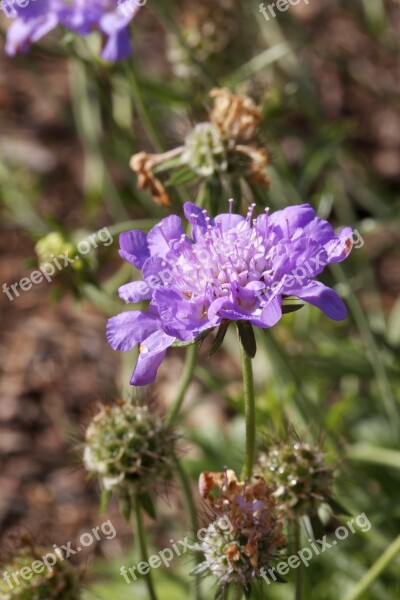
{"x":259,"y":160}
{"x":235,"y":116}
{"x":143,"y":163}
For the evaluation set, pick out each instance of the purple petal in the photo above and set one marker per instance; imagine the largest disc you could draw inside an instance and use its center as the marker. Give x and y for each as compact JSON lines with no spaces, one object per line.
{"x":133,"y":247}
{"x":128,"y":329}
{"x":324,"y":298}
{"x":180,"y":317}
{"x":286,"y":221}
{"x":136,"y":291}
{"x":151,"y":355}
{"x":229,"y":221}
{"x":117,"y":46}
{"x":22,"y":33}
{"x":160,"y":237}
{"x":272,"y":312}
{"x":196,"y":215}
{"x":340,"y":247}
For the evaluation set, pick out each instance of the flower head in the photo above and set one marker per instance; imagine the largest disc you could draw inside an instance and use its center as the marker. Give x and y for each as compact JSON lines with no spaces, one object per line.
{"x":38,"y":18}
{"x":60,"y":581}
{"x":254,"y":539}
{"x":301,"y":475}
{"x":129,"y":448}
{"x":232,"y":268}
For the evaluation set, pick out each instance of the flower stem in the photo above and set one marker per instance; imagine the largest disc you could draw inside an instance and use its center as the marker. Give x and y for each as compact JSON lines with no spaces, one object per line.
{"x":299,"y":573}
{"x":250,"y":412}
{"x":190,"y":364}
{"x":374,"y":572}
{"x":143,"y":550}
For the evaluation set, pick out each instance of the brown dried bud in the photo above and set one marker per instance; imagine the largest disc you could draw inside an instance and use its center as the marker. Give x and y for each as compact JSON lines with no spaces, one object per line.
{"x":143,"y":164}
{"x":235,"y":116}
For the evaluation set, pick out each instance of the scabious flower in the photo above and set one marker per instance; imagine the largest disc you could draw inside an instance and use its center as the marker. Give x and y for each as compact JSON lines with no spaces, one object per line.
{"x":242,"y":554}
{"x":232,"y":268}
{"x":39,"y":17}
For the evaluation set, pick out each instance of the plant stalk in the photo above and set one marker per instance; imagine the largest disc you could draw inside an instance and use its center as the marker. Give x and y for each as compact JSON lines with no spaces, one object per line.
{"x":187,"y":375}
{"x":250,"y":412}
{"x":143,"y":550}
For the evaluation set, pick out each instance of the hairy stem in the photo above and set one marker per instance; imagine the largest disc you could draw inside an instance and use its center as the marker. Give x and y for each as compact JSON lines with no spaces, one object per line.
{"x":143,"y":549}
{"x":299,"y":573}
{"x":250,"y":412}
{"x":190,"y":364}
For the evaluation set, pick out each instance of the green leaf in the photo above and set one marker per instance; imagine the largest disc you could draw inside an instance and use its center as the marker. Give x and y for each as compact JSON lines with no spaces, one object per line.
{"x":219,"y":338}
{"x":317,"y":526}
{"x":183,"y":175}
{"x":147,"y":504}
{"x":247,"y":338}
{"x":338,"y":508}
{"x":289,"y":308}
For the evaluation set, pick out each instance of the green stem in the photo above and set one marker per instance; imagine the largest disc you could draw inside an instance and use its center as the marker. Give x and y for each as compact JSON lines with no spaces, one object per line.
{"x":187,"y":375}
{"x":299,"y":572}
{"x":143,"y":549}
{"x":250,"y":412}
{"x":374,"y":572}
{"x":192,"y":513}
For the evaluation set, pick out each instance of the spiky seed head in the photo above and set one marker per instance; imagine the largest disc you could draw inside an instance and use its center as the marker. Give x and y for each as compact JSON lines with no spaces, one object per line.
{"x":61,"y":581}
{"x":301,"y":475}
{"x":129,"y":448}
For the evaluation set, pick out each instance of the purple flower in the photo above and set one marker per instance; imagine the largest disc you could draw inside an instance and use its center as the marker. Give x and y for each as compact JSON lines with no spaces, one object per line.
{"x":231,"y":268}
{"x":82,"y":17}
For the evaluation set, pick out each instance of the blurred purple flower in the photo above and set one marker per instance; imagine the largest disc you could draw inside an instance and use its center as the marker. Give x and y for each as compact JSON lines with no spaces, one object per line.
{"x":38,"y":17}
{"x":232,"y":268}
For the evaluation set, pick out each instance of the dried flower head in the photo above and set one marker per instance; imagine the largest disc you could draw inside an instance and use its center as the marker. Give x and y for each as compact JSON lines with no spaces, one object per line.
{"x":254,"y":539}
{"x":58,"y":581}
{"x":237,"y":117}
{"x":301,"y":475}
{"x":129,"y":448}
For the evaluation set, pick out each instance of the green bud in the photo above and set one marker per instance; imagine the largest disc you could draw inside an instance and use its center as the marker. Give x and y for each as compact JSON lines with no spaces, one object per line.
{"x":129,"y":448}
{"x":302,"y":478}
{"x":204,"y":150}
